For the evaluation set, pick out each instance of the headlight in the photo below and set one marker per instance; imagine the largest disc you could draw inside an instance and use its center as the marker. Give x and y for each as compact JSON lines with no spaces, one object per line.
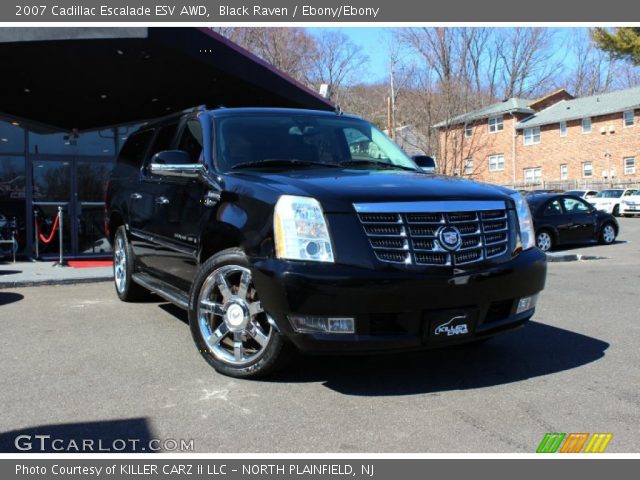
{"x":527,"y":235}
{"x":300,"y":230}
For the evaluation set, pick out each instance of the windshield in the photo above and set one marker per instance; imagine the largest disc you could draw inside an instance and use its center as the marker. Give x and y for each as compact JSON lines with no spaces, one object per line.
{"x":609,"y":194}
{"x":297,"y":140}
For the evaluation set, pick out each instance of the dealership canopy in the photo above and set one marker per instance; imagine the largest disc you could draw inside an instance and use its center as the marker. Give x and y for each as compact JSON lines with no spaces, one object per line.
{"x":85,"y":78}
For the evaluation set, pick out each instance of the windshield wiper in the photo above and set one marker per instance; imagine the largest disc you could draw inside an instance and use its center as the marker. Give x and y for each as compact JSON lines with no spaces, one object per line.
{"x":276,"y":162}
{"x":374,"y":163}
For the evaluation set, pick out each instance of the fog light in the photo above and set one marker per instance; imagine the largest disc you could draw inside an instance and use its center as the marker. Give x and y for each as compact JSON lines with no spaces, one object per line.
{"x":526,"y":303}
{"x":303,"y":324}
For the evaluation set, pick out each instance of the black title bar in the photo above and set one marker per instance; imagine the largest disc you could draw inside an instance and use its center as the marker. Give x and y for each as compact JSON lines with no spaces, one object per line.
{"x":333,"y":11}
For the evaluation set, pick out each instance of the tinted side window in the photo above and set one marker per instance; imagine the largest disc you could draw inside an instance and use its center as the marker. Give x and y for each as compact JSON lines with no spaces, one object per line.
{"x":572,"y":205}
{"x":164,"y":138}
{"x":191,"y":140}
{"x":553,"y":208}
{"x":132,"y":153}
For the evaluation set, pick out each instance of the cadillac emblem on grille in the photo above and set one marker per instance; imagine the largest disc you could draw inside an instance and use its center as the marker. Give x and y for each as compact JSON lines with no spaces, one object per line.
{"x":450,"y":233}
{"x":450,"y":238}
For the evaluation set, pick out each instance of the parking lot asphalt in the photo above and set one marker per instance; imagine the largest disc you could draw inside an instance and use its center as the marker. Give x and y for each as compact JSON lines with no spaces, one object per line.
{"x":78,"y":363}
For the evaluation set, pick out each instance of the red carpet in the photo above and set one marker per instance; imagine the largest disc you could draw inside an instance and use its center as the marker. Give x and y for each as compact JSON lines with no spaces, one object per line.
{"x":90,"y":263}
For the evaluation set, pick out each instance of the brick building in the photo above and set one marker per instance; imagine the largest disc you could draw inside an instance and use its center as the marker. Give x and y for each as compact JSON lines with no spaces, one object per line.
{"x":553,"y":142}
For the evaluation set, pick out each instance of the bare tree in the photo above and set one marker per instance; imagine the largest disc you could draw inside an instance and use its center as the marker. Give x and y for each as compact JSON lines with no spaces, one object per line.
{"x":291,"y":49}
{"x":451,"y":80}
{"x":526,"y":61}
{"x":481,"y":66}
{"x":594,"y":70}
{"x":367,"y":101}
{"x":628,"y":76}
{"x":337,"y":62}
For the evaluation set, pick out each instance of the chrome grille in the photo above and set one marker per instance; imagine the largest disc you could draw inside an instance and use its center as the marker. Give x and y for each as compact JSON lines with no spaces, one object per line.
{"x":411,"y":237}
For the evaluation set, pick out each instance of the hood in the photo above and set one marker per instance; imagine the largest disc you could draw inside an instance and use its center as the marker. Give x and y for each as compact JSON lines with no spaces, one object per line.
{"x":338,"y":190}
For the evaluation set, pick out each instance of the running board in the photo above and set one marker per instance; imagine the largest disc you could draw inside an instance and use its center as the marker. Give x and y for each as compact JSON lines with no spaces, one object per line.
{"x":162,"y":289}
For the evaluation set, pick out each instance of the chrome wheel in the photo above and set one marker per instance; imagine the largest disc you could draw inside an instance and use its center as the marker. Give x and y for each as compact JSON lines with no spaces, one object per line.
{"x":120,"y":265}
{"x":608,"y":234}
{"x":543,"y":241}
{"x":230,"y":317}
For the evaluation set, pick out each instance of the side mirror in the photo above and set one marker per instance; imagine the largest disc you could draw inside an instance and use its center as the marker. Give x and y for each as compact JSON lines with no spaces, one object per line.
{"x":175,"y":163}
{"x":425,"y":162}
{"x":178,"y":164}
{"x":171,"y":157}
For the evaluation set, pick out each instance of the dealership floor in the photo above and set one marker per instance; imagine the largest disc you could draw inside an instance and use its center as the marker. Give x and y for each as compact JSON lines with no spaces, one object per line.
{"x":79,"y":364}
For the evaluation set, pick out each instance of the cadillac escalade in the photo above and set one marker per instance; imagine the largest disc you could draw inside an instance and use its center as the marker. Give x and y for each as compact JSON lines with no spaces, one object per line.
{"x":284,"y":229}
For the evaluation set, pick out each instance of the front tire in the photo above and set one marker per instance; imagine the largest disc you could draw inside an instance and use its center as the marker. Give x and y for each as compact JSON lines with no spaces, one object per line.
{"x":607,"y":234}
{"x":544,"y":240}
{"x":123,"y":268}
{"x":616,"y":211}
{"x":228,"y":324}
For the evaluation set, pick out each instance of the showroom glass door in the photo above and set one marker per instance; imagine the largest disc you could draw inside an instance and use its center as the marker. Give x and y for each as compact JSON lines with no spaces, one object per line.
{"x":52,"y":188}
{"x":77,"y":185}
{"x":91,"y":174}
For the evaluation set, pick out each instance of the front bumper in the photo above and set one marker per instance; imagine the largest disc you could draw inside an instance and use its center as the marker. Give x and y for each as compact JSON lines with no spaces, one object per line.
{"x":604,"y":208}
{"x":629,"y":209}
{"x":393,"y":308}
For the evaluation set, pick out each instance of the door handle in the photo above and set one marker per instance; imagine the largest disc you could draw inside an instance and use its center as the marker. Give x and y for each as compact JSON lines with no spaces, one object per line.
{"x":136,"y":196}
{"x":162,"y":200}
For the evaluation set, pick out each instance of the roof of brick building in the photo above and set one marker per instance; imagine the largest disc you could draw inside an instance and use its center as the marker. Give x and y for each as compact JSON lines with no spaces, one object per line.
{"x":592,"y":106}
{"x":512,"y":105}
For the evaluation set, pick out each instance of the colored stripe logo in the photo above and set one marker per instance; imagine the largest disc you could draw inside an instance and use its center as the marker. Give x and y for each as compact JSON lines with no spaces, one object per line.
{"x":574,"y":443}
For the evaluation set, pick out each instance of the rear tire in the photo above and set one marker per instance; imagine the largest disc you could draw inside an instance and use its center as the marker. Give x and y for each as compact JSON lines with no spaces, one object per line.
{"x":544,"y":240}
{"x":123,"y":268}
{"x":231,"y":330}
{"x":607,"y":234}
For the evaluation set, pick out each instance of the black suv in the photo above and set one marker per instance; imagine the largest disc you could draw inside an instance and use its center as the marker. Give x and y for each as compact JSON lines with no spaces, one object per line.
{"x":280,"y":229}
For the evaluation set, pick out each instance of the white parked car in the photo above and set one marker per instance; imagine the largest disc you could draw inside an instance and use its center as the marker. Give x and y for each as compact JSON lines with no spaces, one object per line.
{"x":586,"y":194}
{"x":630,"y":205}
{"x":609,"y":200}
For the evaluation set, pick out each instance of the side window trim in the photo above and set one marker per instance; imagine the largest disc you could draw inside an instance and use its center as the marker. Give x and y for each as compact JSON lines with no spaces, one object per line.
{"x":145,"y":164}
{"x":182,"y":128}
{"x":145,"y":153}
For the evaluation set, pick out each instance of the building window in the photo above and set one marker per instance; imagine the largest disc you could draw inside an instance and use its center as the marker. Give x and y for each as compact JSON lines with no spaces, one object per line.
{"x":533,"y":175}
{"x":468,"y":130}
{"x":586,"y":125}
{"x":563,"y":129}
{"x":587,"y":169}
{"x":531,"y":135}
{"x":564,"y":171}
{"x":11,"y":137}
{"x":496,"y":163}
{"x":496,"y":124}
{"x":468,"y":166}
{"x":629,"y":166}
{"x":628,"y":118}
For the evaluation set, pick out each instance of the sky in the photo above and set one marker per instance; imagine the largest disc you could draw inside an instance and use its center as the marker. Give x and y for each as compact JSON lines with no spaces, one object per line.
{"x":371,"y":39}
{"x":373,"y":42}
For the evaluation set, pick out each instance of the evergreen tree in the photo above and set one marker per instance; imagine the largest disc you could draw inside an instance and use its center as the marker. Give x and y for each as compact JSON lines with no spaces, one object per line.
{"x":623,"y":42}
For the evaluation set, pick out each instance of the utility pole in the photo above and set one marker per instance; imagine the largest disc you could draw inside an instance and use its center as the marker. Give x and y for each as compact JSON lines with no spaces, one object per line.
{"x":390,"y":128}
{"x":391,"y":104}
